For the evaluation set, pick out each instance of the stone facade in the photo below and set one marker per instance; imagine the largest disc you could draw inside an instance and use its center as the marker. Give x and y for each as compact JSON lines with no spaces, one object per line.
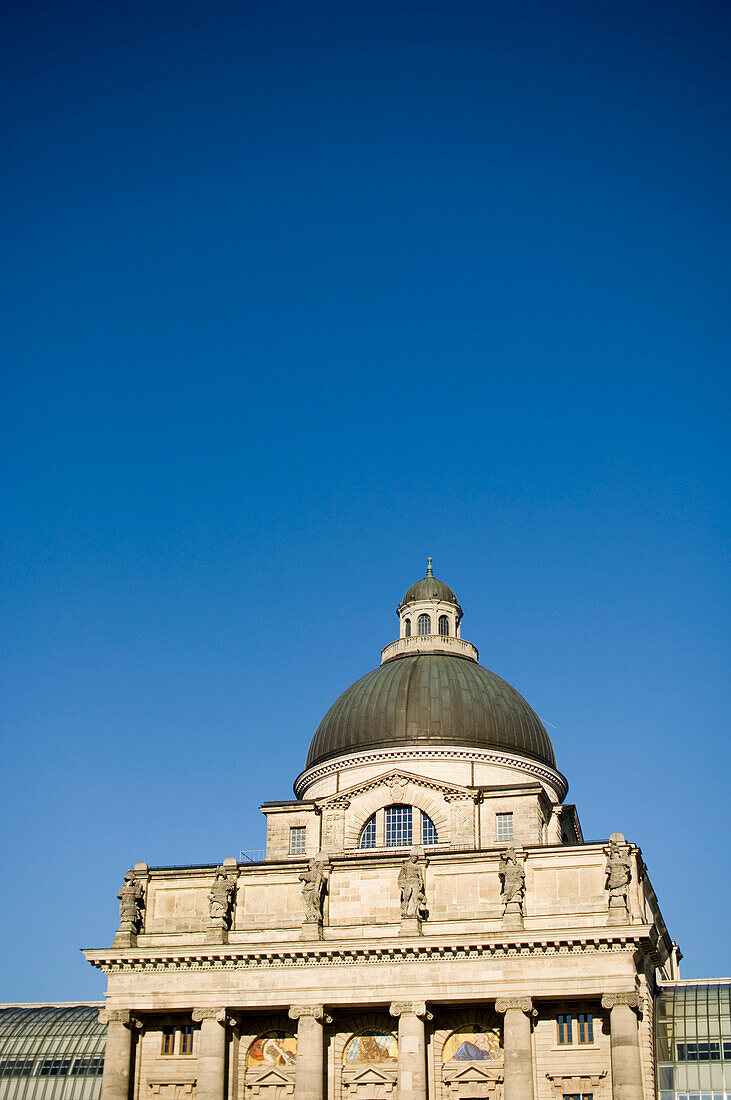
{"x":539,"y":995}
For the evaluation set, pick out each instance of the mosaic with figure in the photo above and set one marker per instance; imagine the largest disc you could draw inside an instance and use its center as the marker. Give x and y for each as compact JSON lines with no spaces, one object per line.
{"x":473,"y":1043}
{"x":275,"y":1048}
{"x":372,"y":1046}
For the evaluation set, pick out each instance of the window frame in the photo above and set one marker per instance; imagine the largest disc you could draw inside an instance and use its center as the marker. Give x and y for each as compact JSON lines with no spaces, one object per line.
{"x":443,"y":619}
{"x":168,"y":1033}
{"x":394,"y":834}
{"x":423,"y":620}
{"x":503,"y":818}
{"x":585,"y":1028}
{"x":297,"y":833}
{"x":564,"y":1032}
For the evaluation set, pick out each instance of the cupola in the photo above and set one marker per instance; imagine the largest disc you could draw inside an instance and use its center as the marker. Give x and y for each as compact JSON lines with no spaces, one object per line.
{"x":429,"y":621}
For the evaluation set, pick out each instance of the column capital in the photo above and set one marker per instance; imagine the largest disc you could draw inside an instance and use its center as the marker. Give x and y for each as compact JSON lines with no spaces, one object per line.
{"x":632,"y":999}
{"x":116,"y":1016}
{"x":523,"y":1004}
{"x":316,"y":1012}
{"x":217,"y":1014}
{"x":413,"y":1008}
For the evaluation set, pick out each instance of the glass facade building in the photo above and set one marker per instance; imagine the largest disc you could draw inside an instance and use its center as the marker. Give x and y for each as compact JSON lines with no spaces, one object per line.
{"x":693,"y":1041}
{"x":51,"y":1052}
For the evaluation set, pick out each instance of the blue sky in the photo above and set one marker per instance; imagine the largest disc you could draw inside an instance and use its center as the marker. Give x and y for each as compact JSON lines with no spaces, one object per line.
{"x":296,"y":294}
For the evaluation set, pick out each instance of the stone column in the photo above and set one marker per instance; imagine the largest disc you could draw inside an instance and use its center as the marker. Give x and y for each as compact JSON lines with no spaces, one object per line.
{"x":411,"y":1048}
{"x":211,"y":1052}
{"x":117,"y":1054}
{"x":309,"y":1081}
{"x":624,"y":1042}
{"x":517,"y":1046}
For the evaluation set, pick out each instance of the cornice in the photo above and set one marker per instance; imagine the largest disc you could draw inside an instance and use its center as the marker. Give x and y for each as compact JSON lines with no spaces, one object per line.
{"x":597,"y":941}
{"x":525,"y":764}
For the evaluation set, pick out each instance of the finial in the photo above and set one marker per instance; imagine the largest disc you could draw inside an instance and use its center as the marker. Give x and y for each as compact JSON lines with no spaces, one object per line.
{"x":428,"y":568}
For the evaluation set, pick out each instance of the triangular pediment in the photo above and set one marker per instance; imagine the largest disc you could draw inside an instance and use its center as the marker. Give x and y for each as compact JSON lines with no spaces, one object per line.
{"x":395,"y":779}
{"x":472,"y":1073}
{"x":371,"y":1075}
{"x":270,"y":1076}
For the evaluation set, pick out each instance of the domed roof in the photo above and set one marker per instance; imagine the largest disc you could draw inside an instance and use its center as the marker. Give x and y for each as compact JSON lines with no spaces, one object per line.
{"x":430,"y":588}
{"x":431,"y":698}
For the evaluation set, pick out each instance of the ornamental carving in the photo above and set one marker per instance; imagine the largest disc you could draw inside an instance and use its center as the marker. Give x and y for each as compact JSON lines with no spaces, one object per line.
{"x":131,"y":903}
{"x":524,"y":1004}
{"x":314,"y":885}
{"x":317,"y":1012}
{"x":632,"y":999}
{"x":217,"y":1014}
{"x":619,"y":876}
{"x":512,"y":882}
{"x":221,"y":898}
{"x":411,"y":886}
{"x":405,"y":1008}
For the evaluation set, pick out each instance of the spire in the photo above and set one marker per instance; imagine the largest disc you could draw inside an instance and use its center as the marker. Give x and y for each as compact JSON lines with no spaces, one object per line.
{"x":429,"y":572}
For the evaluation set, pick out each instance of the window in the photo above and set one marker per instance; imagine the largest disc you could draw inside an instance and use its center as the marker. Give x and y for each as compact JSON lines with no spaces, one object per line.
{"x":504,"y":826}
{"x":168,"y":1040}
{"x":444,"y":626}
{"x":368,"y":833}
{"x":585,"y":1021}
{"x":423,"y":624}
{"x":297,"y":836}
{"x":88,"y":1067}
{"x":428,"y":831}
{"x":699,"y":1052}
{"x":186,"y":1039}
{"x":398,"y":826}
{"x":54,"y":1067}
{"x":564,"y":1030}
{"x":578,"y":1096}
{"x":407,"y":628}
{"x":16,"y":1067}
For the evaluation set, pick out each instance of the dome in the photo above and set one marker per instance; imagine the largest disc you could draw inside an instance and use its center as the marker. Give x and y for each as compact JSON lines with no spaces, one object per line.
{"x":430,"y":588}
{"x":435,"y":698}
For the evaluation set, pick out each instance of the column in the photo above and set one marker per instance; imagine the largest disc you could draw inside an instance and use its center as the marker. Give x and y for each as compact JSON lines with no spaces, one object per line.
{"x":211,"y":1052}
{"x":624,"y":1043}
{"x":117,"y":1054}
{"x":309,"y":1080}
{"x":517,"y":1046}
{"x":411,"y":1048}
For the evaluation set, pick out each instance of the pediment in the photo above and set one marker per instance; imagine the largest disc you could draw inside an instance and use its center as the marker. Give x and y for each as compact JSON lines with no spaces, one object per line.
{"x":472,"y":1073}
{"x":395,"y":779}
{"x":370,"y":1075}
{"x":269,"y":1077}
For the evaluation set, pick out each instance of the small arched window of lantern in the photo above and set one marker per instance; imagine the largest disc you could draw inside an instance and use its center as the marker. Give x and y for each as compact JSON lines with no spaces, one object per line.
{"x":407,"y":628}
{"x":424,"y":624}
{"x":444,"y":626}
{"x":368,"y":834}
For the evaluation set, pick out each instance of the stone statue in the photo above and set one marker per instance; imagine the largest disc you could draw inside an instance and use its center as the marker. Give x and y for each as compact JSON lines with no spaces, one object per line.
{"x":512,"y":878}
{"x":619,"y":876}
{"x":411,"y":885}
{"x":313,"y":889}
{"x":221,"y":897}
{"x":131,"y":903}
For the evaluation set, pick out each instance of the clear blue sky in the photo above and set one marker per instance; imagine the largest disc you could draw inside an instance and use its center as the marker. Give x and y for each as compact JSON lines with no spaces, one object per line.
{"x":294,"y":295}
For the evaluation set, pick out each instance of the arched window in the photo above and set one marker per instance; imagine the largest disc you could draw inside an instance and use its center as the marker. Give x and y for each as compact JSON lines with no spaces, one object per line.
{"x":407,"y":628}
{"x":398,"y":826}
{"x":444,"y":626}
{"x":428,"y":830}
{"x":424,"y":624}
{"x":368,"y":834}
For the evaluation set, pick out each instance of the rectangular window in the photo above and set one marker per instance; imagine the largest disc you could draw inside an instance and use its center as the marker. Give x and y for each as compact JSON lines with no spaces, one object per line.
{"x":398,"y":826}
{"x":186,"y":1039}
{"x":54,"y":1067}
{"x":578,"y":1096}
{"x":727,"y":1049}
{"x":564,"y":1030}
{"x":586,"y":1027}
{"x":699,"y":1052}
{"x":88,"y":1067}
{"x":504,"y":826}
{"x":16,"y":1067}
{"x":297,"y":838}
{"x":168,"y":1040}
